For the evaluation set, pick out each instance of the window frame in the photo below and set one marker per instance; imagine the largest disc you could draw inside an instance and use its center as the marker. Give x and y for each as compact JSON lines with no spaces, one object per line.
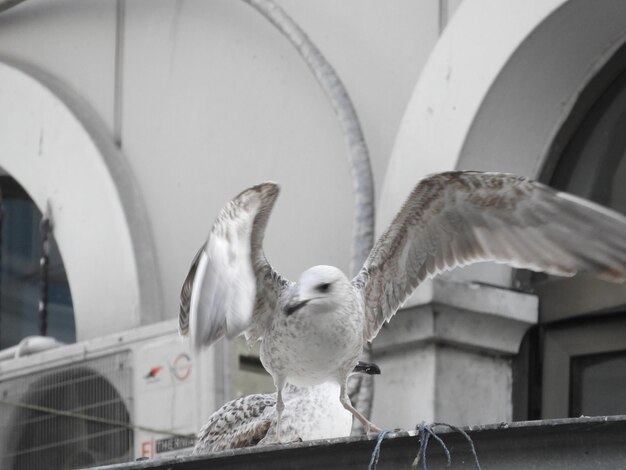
{"x":568,"y":340}
{"x":577,"y":316}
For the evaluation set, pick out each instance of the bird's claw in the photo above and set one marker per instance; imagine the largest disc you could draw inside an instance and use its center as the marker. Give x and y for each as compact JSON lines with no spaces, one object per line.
{"x":371,"y":428}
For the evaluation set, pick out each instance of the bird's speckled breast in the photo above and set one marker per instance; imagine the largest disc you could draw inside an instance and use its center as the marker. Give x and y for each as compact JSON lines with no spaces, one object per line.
{"x":311,"y":347}
{"x":311,"y":413}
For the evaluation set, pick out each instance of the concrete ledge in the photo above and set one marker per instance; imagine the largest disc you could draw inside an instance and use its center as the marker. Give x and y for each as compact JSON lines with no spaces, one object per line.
{"x":476,"y":297}
{"x":476,"y":316}
{"x":580,"y":443}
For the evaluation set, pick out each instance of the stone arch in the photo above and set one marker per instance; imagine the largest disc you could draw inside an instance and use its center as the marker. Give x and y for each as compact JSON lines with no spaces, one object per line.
{"x":496,"y":90}
{"x":57,"y":148}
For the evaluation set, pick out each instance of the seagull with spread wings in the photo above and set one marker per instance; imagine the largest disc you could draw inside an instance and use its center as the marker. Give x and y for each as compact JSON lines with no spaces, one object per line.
{"x":313,"y":330}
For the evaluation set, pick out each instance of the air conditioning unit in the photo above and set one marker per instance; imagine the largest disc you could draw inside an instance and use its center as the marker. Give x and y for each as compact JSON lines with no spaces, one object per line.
{"x":136,"y":394}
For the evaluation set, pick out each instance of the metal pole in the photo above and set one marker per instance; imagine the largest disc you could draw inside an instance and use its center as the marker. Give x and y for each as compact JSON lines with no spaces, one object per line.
{"x":46,"y":235}
{"x":1,"y":220}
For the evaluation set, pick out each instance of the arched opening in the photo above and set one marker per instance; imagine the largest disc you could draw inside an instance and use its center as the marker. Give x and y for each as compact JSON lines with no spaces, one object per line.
{"x":580,"y":348}
{"x":53,"y":143}
{"x":21,"y":280}
{"x":506,"y":97}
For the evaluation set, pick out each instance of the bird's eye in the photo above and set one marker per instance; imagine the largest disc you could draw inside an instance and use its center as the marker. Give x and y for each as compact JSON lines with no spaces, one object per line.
{"x":323,"y":287}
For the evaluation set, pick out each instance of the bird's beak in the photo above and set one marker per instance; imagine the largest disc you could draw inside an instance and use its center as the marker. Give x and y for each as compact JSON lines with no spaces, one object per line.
{"x":368,"y":368}
{"x":294,"y":305}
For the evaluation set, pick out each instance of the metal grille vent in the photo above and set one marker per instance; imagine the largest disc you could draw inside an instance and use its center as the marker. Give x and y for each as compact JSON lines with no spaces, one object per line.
{"x":69,"y":417}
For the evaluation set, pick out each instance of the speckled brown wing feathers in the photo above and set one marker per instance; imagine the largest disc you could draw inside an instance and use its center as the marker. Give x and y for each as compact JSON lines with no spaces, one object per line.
{"x":239,"y":423}
{"x":457,"y":218}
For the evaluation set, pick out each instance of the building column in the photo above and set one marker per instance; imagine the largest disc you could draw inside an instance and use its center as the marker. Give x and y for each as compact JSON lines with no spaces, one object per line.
{"x":447,"y":356}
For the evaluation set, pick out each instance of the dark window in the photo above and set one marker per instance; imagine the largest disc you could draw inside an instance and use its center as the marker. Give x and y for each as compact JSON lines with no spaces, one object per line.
{"x":588,"y":158}
{"x":592,"y":164}
{"x":598,"y":384}
{"x":574,"y":360}
{"x":20,"y":252}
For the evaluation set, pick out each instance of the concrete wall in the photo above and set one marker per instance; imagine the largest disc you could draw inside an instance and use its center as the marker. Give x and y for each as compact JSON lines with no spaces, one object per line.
{"x":206,"y":98}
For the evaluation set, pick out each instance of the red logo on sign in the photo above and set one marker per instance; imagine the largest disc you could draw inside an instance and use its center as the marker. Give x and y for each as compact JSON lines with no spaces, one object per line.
{"x":153,"y":372}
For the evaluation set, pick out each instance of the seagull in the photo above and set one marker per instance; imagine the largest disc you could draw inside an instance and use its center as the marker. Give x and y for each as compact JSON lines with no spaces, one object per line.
{"x":310,"y":413}
{"x":313,"y":331}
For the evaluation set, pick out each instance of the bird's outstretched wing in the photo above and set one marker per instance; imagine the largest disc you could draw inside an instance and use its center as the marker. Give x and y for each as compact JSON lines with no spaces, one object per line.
{"x":230,"y":286}
{"x":457,"y":218}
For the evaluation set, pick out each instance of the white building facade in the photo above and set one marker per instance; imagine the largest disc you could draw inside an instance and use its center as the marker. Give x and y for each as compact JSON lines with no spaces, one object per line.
{"x":135,"y":121}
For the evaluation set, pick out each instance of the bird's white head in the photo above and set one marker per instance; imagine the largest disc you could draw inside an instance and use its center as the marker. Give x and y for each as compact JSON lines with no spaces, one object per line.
{"x":321,"y":289}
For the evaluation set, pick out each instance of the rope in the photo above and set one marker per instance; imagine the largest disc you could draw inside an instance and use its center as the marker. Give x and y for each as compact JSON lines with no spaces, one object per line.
{"x":94,"y":419}
{"x":376,"y":451}
{"x":425,"y":431}
{"x":467,"y":438}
